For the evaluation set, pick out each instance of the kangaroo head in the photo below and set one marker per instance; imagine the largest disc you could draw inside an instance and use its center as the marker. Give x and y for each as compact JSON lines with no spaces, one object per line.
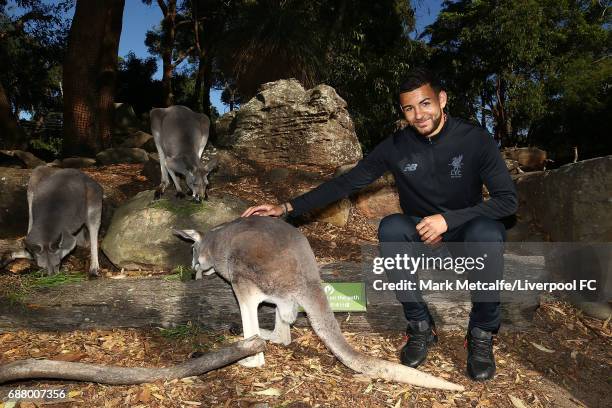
{"x":201,"y":260}
{"x":48,"y":255}
{"x":197,"y":180}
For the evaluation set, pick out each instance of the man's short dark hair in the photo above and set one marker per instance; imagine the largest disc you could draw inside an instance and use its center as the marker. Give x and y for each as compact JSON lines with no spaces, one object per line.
{"x":418,"y":77}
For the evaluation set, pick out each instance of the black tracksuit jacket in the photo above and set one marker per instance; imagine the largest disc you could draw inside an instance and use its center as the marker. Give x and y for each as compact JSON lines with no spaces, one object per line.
{"x":440,"y":175}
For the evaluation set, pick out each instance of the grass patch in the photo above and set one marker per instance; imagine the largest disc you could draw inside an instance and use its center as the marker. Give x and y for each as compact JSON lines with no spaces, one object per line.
{"x":17,"y":292}
{"x":181,"y":273}
{"x":181,"y":332}
{"x":199,"y":339}
{"x":61,"y":278}
{"x":183,"y":208}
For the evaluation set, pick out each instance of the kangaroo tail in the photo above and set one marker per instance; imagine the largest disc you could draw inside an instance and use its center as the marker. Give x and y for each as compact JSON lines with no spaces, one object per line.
{"x":326,"y":327}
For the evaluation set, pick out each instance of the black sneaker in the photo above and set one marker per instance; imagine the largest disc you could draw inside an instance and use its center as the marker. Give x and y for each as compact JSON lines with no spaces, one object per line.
{"x":480,"y":359}
{"x":419,"y":336}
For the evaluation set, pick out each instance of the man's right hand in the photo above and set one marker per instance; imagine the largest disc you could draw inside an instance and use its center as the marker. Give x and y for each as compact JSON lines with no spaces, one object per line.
{"x":266,"y":210}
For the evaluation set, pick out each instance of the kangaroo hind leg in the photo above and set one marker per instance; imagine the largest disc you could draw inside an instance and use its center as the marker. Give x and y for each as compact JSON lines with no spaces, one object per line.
{"x":286,"y":313}
{"x":249,"y":297}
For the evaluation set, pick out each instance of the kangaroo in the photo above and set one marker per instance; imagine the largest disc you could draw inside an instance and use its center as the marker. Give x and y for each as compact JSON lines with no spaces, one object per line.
{"x":62,"y":204}
{"x":180,"y":137}
{"x":267,"y":260}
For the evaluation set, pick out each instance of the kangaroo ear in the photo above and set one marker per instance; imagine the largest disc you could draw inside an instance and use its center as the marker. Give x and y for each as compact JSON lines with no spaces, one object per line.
{"x":190,"y":235}
{"x":212,"y":163}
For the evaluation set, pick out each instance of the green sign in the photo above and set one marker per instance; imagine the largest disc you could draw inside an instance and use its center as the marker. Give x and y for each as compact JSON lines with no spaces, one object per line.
{"x":345,"y":296}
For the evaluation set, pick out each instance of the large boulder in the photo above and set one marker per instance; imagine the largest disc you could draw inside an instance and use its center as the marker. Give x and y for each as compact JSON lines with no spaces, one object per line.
{"x":77,"y":162}
{"x":140,"y":234}
{"x":285,"y":124}
{"x":572,"y":203}
{"x":141,"y":140}
{"x":13,"y":202}
{"x":20,"y":158}
{"x":119,"y":155}
{"x":528,"y":158}
{"x":124,"y":118}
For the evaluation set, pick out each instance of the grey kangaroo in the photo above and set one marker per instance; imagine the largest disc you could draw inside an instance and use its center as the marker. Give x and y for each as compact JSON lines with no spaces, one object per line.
{"x":180,"y":136}
{"x":268,"y":260}
{"x":62,"y":204}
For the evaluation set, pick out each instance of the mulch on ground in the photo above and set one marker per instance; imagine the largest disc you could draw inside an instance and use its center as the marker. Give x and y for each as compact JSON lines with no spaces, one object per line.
{"x":563,"y":361}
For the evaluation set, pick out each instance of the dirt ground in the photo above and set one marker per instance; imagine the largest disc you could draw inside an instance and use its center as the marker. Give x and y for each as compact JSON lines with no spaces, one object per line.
{"x":564,"y":360}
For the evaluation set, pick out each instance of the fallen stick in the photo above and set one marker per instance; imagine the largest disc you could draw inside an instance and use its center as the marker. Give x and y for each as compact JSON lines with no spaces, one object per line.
{"x":98,"y":373}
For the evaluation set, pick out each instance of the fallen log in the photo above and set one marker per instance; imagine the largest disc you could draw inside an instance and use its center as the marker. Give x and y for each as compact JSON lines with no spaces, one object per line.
{"x":148,"y":302}
{"x":62,"y":370}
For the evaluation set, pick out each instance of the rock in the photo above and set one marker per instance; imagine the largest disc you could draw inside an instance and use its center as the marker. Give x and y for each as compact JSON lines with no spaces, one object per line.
{"x":26,"y":159}
{"x":13,"y":202}
{"x":571,"y":206}
{"x":122,"y":155}
{"x":336,"y":213}
{"x":77,"y":162}
{"x":125,"y":118}
{"x":150,"y":146}
{"x":376,"y":203}
{"x":140,"y":234}
{"x":287,"y":125}
{"x":577,"y":193}
{"x":151,"y":169}
{"x":528,"y":158}
{"x":138,"y":139}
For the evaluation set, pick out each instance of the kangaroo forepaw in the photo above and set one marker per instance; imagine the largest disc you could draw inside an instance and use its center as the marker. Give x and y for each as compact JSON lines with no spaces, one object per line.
{"x":158,"y":194}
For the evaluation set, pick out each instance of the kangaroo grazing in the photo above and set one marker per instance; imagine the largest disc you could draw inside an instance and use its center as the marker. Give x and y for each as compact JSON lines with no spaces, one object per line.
{"x":62,"y":204}
{"x":180,"y":137}
{"x":268,"y":260}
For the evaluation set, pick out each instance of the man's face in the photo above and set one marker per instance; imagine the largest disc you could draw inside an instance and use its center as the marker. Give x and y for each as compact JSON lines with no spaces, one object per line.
{"x":422,"y":109}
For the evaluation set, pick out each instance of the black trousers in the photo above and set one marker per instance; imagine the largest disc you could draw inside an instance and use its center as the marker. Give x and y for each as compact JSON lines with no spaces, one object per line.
{"x":396,"y":230}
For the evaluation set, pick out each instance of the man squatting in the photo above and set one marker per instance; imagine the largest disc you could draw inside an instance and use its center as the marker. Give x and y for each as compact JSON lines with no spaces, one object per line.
{"x":439,"y":164}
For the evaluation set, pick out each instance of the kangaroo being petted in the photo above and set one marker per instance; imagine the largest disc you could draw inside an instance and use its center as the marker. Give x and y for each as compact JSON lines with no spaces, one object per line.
{"x":180,"y":137}
{"x":65,"y":209}
{"x":268,"y":260}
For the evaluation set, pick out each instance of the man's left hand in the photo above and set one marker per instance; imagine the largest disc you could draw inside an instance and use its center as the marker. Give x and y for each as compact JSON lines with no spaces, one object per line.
{"x":430,"y":228}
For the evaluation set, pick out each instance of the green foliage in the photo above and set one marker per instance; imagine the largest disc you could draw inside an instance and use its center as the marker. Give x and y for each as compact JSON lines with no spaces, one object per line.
{"x":528,"y":69}
{"x":41,"y":280}
{"x":27,"y":285}
{"x":181,"y":332}
{"x":135,"y":84}
{"x":181,"y":209}
{"x":181,"y":273}
{"x":32,"y":40}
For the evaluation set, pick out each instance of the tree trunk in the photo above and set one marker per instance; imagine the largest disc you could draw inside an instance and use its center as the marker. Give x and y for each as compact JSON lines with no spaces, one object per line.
{"x":501,"y":117}
{"x":13,"y":137}
{"x":168,"y":28}
{"x":89,"y":75}
{"x":206,"y":108}
{"x":197,"y":92}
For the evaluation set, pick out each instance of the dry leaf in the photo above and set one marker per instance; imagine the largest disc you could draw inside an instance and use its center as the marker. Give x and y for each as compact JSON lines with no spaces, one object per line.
{"x":75,"y":393}
{"x":145,"y":395}
{"x":271,"y":392}
{"x":75,"y":356}
{"x":517,"y":402}
{"x":542,"y":348}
